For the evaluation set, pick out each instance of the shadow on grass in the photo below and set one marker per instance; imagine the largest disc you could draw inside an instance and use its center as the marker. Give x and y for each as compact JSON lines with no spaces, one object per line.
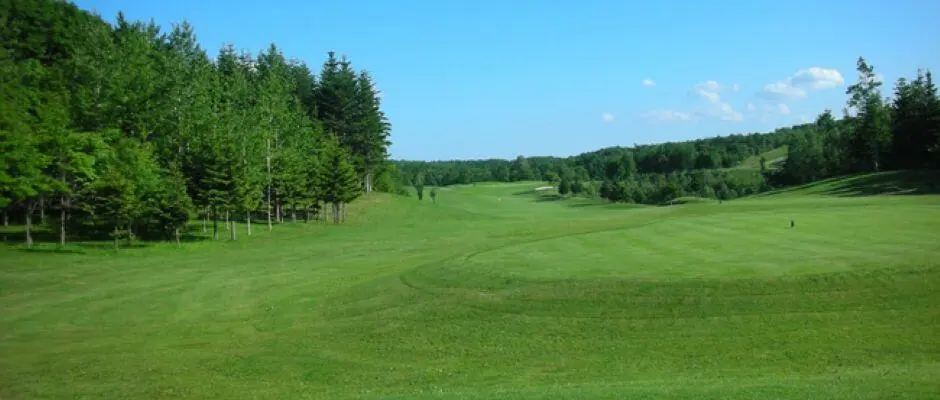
{"x":899,"y":183}
{"x":52,"y":251}
{"x":885,"y":183}
{"x":81,"y":242}
{"x":582,"y":205}
{"x":549,"y":197}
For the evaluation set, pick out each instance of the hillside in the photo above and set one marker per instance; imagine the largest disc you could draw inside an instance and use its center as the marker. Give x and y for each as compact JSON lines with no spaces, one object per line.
{"x":774,"y":159}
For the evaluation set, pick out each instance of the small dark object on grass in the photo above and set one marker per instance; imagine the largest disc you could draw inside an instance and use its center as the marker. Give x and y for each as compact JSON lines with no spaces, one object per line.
{"x":792,"y":223}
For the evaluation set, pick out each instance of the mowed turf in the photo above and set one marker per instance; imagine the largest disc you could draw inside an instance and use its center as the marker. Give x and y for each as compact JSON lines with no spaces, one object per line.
{"x":497,"y":292}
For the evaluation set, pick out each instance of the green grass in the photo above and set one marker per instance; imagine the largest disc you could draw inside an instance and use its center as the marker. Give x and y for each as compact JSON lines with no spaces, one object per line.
{"x":497,"y":292}
{"x":691,"y":200}
{"x":775,"y":159}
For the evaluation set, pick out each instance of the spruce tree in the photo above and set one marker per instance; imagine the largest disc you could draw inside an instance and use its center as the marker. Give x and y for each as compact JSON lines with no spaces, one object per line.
{"x":337,"y":177}
{"x":373,"y":129}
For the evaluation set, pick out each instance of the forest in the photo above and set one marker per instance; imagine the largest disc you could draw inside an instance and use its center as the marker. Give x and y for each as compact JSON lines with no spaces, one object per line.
{"x":123,"y":131}
{"x":874,"y":134}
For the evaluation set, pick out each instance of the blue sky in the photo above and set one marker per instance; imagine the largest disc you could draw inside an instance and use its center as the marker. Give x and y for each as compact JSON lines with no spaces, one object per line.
{"x":501,"y":78}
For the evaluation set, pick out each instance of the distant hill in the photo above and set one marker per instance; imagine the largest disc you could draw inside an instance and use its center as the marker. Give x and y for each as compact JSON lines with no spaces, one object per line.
{"x":775,"y":159}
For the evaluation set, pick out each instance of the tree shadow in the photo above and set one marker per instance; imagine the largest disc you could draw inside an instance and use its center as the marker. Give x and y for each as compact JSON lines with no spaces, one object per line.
{"x":886,"y":183}
{"x":583,"y":205}
{"x":40,"y":250}
{"x":78,"y":241}
{"x":895,"y":183}
{"x":549,"y":197}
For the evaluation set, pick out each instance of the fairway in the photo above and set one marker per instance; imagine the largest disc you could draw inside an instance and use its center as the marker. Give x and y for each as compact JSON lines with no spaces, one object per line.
{"x":496,"y":291}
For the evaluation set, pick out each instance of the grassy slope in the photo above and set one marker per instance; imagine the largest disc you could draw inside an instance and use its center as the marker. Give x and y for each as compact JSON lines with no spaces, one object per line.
{"x":774,"y":158}
{"x":495,"y":293}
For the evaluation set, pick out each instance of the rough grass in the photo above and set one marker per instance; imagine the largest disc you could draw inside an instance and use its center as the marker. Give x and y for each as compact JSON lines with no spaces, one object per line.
{"x":494,"y":294}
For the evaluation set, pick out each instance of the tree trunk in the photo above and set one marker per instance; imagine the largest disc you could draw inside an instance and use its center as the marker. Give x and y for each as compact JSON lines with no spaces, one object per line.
{"x":231,"y":229}
{"x":205,"y":221}
{"x":335,"y":213}
{"x":42,"y":210}
{"x":215,"y":228}
{"x":29,"y":228}
{"x":293,"y":213}
{"x":130,"y":233}
{"x":116,"y":237}
{"x":268,"y":162}
{"x":226,"y":220}
{"x":248,"y":221}
{"x":6,"y":219}
{"x":62,"y":217}
{"x":177,"y":232}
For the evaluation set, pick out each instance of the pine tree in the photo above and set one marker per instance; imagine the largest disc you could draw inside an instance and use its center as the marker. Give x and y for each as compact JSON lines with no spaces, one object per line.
{"x":337,"y":177}
{"x":872,"y":136}
{"x":914,"y":114}
{"x":373,"y":129}
{"x":932,"y":133}
{"x":275,"y":91}
{"x":173,"y":205}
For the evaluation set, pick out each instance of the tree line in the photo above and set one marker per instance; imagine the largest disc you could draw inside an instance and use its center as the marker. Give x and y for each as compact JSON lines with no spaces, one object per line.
{"x":609,"y":163}
{"x":874,"y":134}
{"x":122,"y":130}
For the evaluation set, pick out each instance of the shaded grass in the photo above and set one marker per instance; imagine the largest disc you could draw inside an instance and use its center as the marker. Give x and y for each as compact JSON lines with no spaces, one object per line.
{"x":884,"y":183}
{"x":490,"y":295}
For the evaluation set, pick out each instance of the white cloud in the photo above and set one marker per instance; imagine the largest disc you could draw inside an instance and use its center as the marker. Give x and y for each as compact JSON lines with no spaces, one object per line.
{"x":804,"y":119}
{"x":712,"y":97}
{"x":607,"y":117}
{"x":783,"y":109}
{"x":667,"y":115}
{"x":709,"y":90}
{"x":782,"y":90}
{"x":728,"y":114}
{"x":750,"y":106}
{"x":817,"y":78}
{"x":710,"y":86}
{"x":796,"y":86}
{"x":648,"y":82}
{"x":735,"y":87}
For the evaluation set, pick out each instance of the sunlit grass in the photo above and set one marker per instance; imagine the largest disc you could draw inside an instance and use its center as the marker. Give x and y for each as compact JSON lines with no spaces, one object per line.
{"x":491,"y":293}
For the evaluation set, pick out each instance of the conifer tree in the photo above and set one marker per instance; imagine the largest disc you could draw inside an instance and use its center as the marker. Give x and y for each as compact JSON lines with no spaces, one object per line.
{"x":337,"y":177}
{"x":872,"y":138}
{"x":373,"y":129}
